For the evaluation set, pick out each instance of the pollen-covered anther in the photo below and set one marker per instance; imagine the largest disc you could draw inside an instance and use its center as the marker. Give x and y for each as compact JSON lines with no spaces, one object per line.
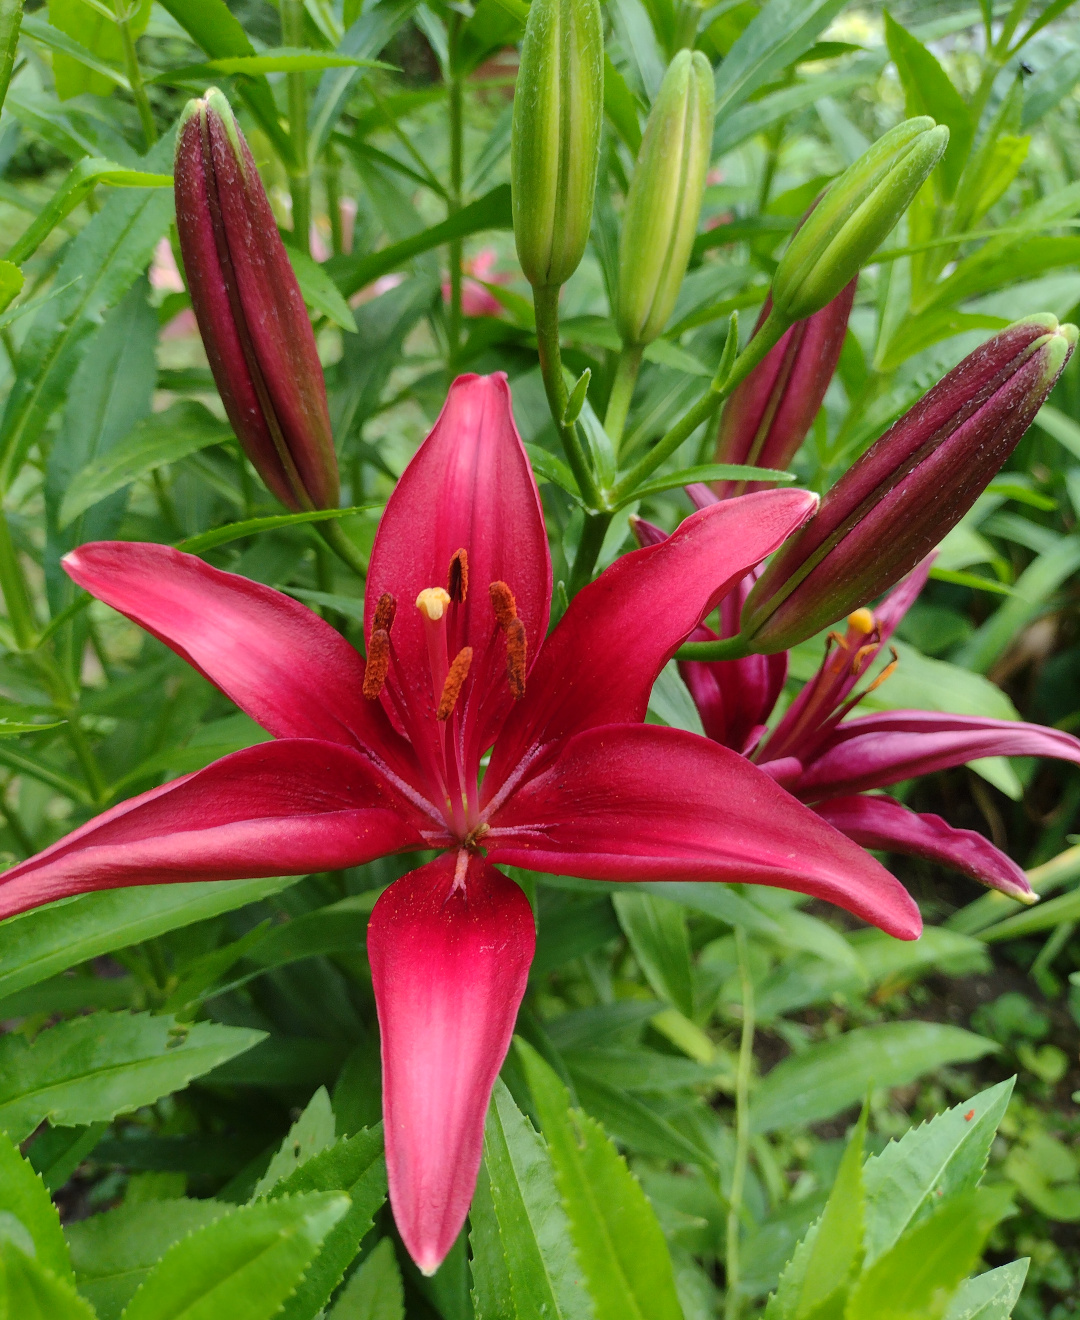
{"x":457,"y":577}
{"x":517,"y":645}
{"x":458,"y":672}
{"x":861,"y":621}
{"x":378,"y":663}
{"x":503,"y":603}
{"x":384,"y":613}
{"x":432,"y":603}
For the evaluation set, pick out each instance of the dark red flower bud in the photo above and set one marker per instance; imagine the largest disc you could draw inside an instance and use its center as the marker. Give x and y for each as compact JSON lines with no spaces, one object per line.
{"x":250,"y":310}
{"x":768,"y":415}
{"x":896,"y":503}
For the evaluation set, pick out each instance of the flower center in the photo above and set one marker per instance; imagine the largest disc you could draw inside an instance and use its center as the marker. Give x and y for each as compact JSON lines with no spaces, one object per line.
{"x":446,"y":730}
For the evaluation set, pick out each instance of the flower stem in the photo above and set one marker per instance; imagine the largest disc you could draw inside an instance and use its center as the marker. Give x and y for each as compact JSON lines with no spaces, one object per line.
{"x":334,"y":535}
{"x":589,"y":547}
{"x":134,"y":73}
{"x":87,"y":760}
{"x":748,"y":359}
{"x":16,"y":597}
{"x":732,"y":1299}
{"x":622,"y":391}
{"x":457,"y":129}
{"x":292,"y":32}
{"x":725,"y":648}
{"x":332,"y":169}
{"x":546,"y":306}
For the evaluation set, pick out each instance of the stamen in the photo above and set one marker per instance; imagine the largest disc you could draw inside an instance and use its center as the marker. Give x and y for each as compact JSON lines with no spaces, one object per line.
{"x":457,"y":579}
{"x":384,"y":613}
{"x":503,"y":603}
{"x":516,"y":647}
{"x":378,"y":663}
{"x":861,"y":621}
{"x":885,"y":673}
{"x":863,"y":653}
{"x":457,"y":675}
{"x":432,"y":603}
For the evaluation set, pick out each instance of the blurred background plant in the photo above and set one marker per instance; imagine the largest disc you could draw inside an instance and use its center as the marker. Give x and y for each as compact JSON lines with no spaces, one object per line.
{"x":382,"y":130}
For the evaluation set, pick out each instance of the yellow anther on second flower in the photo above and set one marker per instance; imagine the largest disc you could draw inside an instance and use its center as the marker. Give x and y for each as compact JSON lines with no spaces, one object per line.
{"x":432,"y":603}
{"x":861,"y":621}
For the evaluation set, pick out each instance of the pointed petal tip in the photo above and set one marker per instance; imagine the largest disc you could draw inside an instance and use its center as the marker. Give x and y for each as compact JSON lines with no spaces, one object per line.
{"x":1026,"y":896}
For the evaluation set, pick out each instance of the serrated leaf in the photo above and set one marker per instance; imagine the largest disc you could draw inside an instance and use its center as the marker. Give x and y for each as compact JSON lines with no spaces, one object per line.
{"x":989,"y":1296}
{"x":657,"y":931}
{"x":838,"y":1243}
{"x":244,"y":1265}
{"x":492,"y":1291}
{"x":917,"y":1277}
{"x":940,"y":1158}
{"x":619,"y":1241}
{"x":375,"y":1291}
{"x":312,"y":1132}
{"x":23,"y":1194}
{"x":354,"y":1165}
{"x":634,"y":1124}
{"x":114,"y":1252}
{"x":91,"y":1068}
{"x":29,"y":1291}
{"x":821,"y":1081}
{"x":161,"y":438}
{"x":545,"y":1276}
{"x":37,"y":944}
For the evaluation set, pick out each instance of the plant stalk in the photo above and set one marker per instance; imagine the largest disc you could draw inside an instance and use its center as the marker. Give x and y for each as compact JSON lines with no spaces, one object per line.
{"x":732,"y":1298}
{"x":622,"y":391}
{"x":334,"y":536}
{"x":134,"y":73}
{"x":546,"y":306}
{"x":292,"y":33}
{"x":455,"y":93}
{"x":16,"y":596}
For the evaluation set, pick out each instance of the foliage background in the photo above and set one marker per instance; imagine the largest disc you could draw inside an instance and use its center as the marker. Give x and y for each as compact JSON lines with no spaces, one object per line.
{"x":112,"y":428}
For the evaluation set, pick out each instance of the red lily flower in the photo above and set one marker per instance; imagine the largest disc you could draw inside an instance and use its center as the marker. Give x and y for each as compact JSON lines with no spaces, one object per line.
{"x":831,"y":763}
{"x":384,"y":757}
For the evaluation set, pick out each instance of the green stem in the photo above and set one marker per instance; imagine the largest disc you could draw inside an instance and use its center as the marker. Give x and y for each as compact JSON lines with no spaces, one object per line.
{"x":10,"y":22}
{"x":456,"y":107}
{"x":546,"y":307}
{"x":727,"y":648}
{"x":334,"y":535}
{"x":16,"y":596}
{"x":292,"y":32}
{"x":54,"y":778}
{"x":732,"y":1298}
{"x":333,"y":201}
{"x":717,"y":392}
{"x":86,"y":758}
{"x":134,"y":73}
{"x":622,"y":391}
{"x":589,"y":547}
{"x":15,"y":825}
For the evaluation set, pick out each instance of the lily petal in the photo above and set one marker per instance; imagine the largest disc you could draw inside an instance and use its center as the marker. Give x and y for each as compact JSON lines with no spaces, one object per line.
{"x":469,"y":487}
{"x":282,"y":664}
{"x":600,"y":663}
{"x":885,"y":824}
{"x":450,"y":948}
{"x":876,"y":750}
{"x":281,"y":808}
{"x":642,"y":802}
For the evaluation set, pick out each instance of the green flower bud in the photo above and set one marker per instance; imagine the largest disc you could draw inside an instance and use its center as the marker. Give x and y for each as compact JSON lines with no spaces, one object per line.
{"x":662,"y":209}
{"x":555,"y":142}
{"x":853,"y":217}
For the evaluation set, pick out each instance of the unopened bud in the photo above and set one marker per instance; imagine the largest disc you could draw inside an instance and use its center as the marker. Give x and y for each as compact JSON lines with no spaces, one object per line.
{"x":664,"y":201}
{"x":857,"y":211}
{"x":768,"y":415}
{"x":250,"y":311}
{"x":894,"y":505}
{"x":555,"y":141}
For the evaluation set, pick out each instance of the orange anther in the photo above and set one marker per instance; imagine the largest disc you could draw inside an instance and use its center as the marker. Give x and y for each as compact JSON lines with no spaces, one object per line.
{"x":378,"y":663}
{"x":517,"y":645}
{"x":456,"y":676}
{"x":457,"y":577}
{"x":503,"y":603}
{"x":384,"y":613}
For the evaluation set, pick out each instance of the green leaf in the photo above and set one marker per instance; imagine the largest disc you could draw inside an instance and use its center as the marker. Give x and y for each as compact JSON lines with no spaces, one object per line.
{"x":825,"y":1079}
{"x":23,"y":1194}
{"x":492,"y":1291}
{"x":114,"y":1252}
{"x":620,"y":106}
{"x":197,"y":545}
{"x":99,"y":266}
{"x":281,"y":59}
{"x":492,"y":211}
{"x":312,"y":1132}
{"x":72,"y":50}
{"x":375,"y":1291}
{"x":91,"y":1068}
{"x":915,"y":1279}
{"x":243,"y":1265}
{"x":11,"y":283}
{"x":618,"y":1239}
{"x":320,"y":291}
{"x":706,"y":472}
{"x":533,"y":1230}
{"x":633,"y":1123}
{"x":38,"y":944}
{"x":10,"y":22}
{"x":928,"y":91}
{"x":1061,"y":426}
{"x":57,"y":1152}
{"x":660,"y":940}
{"x":354,"y":1165}
{"x":29,"y":1291}
{"x":989,"y":1296}
{"x":163,"y":437}
{"x":78,"y":184}
{"x":781,"y":32}
{"x":1046,"y":916}
{"x":940,"y":1158}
